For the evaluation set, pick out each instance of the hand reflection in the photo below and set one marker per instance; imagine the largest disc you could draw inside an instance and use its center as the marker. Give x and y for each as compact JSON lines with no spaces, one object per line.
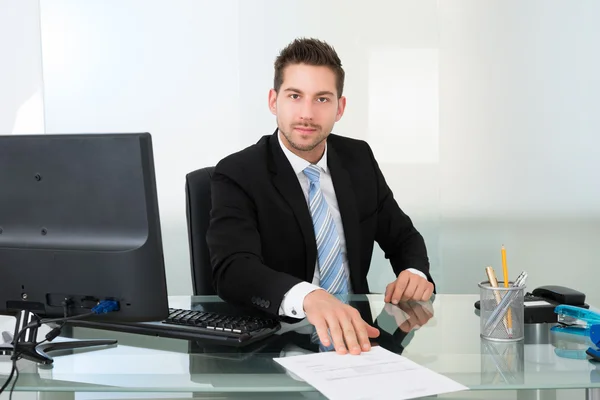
{"x":410,"y":315}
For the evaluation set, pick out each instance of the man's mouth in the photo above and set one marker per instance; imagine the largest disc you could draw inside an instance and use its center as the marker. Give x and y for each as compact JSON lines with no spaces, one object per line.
{"x":304,"y":129}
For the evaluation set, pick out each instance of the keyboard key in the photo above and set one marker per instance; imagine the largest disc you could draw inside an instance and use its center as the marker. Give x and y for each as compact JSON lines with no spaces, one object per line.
{"x":219,"y":322}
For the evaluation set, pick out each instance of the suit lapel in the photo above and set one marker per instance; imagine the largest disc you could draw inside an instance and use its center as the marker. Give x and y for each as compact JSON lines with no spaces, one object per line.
{"x":287,"y":184}
{"x":348,"y":211}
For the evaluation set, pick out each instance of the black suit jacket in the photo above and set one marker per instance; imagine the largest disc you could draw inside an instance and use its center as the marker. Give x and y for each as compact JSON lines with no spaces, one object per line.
{"x":261,"y":237}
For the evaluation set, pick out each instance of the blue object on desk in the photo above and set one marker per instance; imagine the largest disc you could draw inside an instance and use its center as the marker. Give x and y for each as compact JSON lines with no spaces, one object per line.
{"x":576,"y":316}
{"x":580,"y":321}
{"x":595,"y":334}
{"x":571,"y":329}
{"x":573,"y":354}
{"x":594,"y":353}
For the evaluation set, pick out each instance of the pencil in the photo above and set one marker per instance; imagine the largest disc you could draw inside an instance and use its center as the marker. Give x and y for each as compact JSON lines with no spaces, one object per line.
{"x":505,"y":271}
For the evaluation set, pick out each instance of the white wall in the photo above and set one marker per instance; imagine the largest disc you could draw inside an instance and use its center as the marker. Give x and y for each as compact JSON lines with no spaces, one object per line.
{"x":21,"y":93}
{"x":482,"y":114}
{"x":520,"y":91}
{"x":21,"y":86}
{"x":196,"y":75}
{"x":148,"y":66}
{"x":21,"y":97}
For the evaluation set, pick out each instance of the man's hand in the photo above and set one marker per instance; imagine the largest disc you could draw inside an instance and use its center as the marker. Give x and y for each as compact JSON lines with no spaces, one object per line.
{"x":410,"y":315}
{"x":348,"y":330}
{"x":408,"y":286}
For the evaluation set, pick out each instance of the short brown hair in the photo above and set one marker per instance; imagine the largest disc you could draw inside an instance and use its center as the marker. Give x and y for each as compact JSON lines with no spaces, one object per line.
{"x":310,"y":52}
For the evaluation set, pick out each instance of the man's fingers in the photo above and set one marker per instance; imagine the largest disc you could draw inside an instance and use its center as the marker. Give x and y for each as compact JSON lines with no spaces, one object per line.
{"x":410,"y":290}
{"x":338,"y":324}
{"x":350,"y":335}
{"x":399,"y":287}
{"x":428,"y":292}
{"x":420,"y":290}
{"x":361,"y":333}
{"x":336,"y":335}
{"x":389,"y":289}
{"x":372,"y":332}
{"x":360,"y":327}
{"x":321,"y":328}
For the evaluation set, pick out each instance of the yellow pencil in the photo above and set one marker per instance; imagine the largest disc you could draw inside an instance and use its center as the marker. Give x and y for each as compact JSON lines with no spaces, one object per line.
{"x":505,"y":271}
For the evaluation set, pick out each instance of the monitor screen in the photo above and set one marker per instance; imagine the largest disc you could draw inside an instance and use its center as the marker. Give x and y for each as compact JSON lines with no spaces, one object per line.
{"x":79,"y":220}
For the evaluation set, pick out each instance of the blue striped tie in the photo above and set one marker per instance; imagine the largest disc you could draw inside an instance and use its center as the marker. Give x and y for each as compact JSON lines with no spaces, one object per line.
{"x":333,"y":277}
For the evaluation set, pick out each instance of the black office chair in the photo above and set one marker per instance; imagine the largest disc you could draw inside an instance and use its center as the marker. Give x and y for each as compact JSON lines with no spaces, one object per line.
{"x":198,"y":204}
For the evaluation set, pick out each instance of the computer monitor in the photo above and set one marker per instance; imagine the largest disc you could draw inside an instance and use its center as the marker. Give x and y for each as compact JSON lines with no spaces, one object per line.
{"x":79,"y":220}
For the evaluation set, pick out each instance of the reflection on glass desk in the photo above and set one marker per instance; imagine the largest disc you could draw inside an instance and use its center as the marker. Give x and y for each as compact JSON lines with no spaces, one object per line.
{"x":442,"y":335}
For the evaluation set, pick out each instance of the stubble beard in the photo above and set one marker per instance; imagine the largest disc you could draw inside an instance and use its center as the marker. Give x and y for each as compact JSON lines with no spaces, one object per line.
{"x":321,"y":136}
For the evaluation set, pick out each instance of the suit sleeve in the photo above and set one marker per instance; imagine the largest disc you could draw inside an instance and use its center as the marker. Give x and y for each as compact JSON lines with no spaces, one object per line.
{"x":402,"y":244}
{"x":239,"y":273}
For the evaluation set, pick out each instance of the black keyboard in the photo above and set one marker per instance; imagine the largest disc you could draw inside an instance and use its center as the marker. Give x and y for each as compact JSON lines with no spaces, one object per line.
{"x":219,"y":322}
{"x":205,"y":327}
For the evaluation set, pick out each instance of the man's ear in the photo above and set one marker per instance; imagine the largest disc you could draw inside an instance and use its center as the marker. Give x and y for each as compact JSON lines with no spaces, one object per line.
{"x":341,"y":108}
{"x":273,"y":101}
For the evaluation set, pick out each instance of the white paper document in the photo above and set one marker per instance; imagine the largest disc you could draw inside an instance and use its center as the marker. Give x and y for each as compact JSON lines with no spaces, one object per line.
{"x":370,"y":375}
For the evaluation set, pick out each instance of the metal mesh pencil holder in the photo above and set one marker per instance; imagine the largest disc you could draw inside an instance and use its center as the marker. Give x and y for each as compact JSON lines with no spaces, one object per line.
{"x":502,"y":312}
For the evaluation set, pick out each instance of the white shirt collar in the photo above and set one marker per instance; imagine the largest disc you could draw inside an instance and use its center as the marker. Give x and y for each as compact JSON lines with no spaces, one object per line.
{"x":298,"y":163}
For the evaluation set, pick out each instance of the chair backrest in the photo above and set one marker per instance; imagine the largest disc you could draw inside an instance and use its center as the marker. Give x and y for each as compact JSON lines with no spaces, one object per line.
{"x":198,"y":205}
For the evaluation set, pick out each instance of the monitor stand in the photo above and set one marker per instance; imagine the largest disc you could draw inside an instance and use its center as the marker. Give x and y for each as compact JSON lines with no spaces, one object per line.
{"x":28,"y":347}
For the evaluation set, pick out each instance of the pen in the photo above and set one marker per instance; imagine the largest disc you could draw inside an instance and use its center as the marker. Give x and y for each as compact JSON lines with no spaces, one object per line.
{"x":504,"y":304}
{"x":494,"y":283}
{"x":505,"y":271}
{"x":520,"y":279}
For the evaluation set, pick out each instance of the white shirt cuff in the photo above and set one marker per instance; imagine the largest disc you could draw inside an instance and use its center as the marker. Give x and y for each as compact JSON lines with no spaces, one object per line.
{"x":417,"y":272}
{"x":293,"y":300}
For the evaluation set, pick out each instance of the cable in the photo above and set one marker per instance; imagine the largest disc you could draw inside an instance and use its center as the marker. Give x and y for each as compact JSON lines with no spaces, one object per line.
{"x":49,"y":337}
{"x":103,"y":307}
{"x":12,"y":372}
{"x":12,"y":388}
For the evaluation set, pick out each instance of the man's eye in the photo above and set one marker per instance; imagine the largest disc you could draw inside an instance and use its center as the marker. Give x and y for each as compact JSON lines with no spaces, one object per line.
{"x":322,"y":99}
{"x":295,"y":96}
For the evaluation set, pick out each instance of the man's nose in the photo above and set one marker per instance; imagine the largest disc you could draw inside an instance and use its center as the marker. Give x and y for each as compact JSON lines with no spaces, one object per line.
{"x":306,"y":112}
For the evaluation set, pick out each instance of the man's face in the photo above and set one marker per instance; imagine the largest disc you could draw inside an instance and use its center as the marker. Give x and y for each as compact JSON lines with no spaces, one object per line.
{"x":306,"y":107}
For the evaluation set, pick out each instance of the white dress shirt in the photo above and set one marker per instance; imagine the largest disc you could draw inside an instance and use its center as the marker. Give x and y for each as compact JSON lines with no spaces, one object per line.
{"x":293,"y":300}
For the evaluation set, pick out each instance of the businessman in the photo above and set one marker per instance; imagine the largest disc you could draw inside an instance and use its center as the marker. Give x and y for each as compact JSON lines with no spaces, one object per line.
{"x":295,"y":217}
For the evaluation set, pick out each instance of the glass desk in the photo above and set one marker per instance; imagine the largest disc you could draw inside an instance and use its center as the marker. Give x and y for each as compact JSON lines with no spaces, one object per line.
{"x":442,"y":335}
